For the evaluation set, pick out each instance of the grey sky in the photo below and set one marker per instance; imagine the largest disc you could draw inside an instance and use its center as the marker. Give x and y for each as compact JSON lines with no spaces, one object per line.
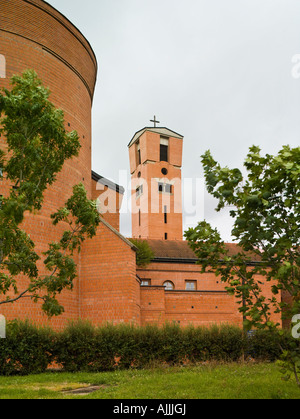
{"x":216,"y":71}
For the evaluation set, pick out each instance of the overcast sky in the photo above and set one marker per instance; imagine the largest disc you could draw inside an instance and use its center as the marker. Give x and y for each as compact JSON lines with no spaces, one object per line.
{"x":219,"y":72}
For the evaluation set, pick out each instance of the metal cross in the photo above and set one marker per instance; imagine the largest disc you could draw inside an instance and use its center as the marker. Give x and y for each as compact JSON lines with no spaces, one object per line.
{"x":155,"y":121}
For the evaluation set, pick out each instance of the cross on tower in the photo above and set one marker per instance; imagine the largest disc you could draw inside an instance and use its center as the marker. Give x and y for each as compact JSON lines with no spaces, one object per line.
{"x":154,"y":121}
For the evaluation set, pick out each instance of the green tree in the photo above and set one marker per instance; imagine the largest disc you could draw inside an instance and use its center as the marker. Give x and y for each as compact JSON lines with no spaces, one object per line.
{"x":266,"y":214}
{"x":37,"y":145}
{"x":144,"y":253}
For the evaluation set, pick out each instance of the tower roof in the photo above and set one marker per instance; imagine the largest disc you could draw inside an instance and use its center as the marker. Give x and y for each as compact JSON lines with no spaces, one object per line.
{"x":159,"y":130}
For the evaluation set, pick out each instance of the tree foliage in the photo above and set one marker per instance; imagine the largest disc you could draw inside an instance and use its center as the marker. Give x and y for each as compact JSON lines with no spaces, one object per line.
{"x":144,"y":253}
{"x":266,"y":217}
{"x":37,"y":145}
{"x":266,"y":214}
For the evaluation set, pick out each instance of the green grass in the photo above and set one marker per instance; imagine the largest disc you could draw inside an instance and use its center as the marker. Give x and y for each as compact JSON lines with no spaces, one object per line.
{"x":227,"y":381}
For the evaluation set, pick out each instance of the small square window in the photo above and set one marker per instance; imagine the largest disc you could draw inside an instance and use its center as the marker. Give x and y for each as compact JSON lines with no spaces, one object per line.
{"x":168,"y":188}
{"x":145,"y":282}
{"x":191,"y":285}
{"x":165,"y":188}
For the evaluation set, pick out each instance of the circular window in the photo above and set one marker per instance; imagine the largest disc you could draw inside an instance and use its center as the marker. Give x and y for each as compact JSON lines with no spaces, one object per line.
{"x":164,"y":171}
{"x":169,"y":286}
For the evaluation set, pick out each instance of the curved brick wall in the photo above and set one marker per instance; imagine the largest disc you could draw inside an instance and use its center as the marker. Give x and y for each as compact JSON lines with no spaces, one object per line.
{"x":35,"y":35}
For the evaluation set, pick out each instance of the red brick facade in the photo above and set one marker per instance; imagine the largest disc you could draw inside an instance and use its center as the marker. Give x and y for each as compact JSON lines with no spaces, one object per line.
{"x":109,"y":290}
{"x":35,"y":35}
{"x":154,"y":176}
{"x":208,"y":303}
{"x":190,"y":297}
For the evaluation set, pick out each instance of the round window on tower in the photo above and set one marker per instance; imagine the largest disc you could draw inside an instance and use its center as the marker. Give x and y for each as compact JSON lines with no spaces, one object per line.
{"x":164,"y":171}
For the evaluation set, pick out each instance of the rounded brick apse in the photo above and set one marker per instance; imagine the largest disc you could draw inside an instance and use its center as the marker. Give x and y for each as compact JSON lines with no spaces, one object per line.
{"x":34,"y":35}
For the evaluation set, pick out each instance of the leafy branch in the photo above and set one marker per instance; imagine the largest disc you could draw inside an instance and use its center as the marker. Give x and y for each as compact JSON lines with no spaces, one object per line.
{"x":37,"y":145}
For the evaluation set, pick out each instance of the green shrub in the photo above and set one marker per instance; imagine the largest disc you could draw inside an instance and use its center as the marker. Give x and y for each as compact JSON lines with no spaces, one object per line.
{"x":106,"y":341}
{"x":27,"y":349}
{"x":220,"y":343}
{"x":127,"y":345}
{"x":267,"y":345}
{"x":144,"y":253}
{"x":150,"y":346}
{"x":75,"y":347}
{"x":225,"y":343}
{"x":172,"y":344}
{"x":80,"y":346}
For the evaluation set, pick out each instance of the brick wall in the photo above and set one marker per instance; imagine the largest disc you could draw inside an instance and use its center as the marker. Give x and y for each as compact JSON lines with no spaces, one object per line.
{"x":35,"y":36}
{"x":153,"y":305}
{"x":109,"y":203}
{"x":109,"y":289}
{"x":209,"y":304}
{"x":201,"y":308}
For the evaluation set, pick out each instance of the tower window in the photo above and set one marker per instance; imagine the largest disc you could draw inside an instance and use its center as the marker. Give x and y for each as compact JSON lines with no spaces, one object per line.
{"x":166,"y":236}
{"x":168,"y":188}
{"x":163,"y":153}
{"x":164,"y":149}
{"x":139,"y":191}
{"x":165,"y":187}
{"x":138,"y":151}
{"x":166,"y":214}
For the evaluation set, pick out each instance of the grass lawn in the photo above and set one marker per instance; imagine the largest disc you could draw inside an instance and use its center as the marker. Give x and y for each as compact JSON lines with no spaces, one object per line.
{"x":228,"y":381}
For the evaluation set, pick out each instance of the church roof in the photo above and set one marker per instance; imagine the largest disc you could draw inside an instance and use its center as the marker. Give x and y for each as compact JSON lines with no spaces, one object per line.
{"x":106,"y":182}
{"x":172,"y":249}
{"x":179,"y":251}
{"x":158,"y":130}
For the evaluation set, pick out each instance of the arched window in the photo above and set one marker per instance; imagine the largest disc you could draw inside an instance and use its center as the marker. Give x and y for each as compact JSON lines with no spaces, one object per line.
{"x":169,"y":286}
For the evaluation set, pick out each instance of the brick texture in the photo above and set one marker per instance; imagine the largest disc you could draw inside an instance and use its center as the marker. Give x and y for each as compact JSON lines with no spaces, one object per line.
{"x":109,"y":289}
{"x":208,"y":304}
{"x":148,"y":220}
{"x":33,"y":35}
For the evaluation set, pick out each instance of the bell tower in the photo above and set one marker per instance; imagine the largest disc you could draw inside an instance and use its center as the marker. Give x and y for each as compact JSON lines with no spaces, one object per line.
{"x":155,"y":164}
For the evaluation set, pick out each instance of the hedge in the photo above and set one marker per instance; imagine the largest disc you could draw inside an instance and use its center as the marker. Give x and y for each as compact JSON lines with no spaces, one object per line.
{"x":29,"y":349}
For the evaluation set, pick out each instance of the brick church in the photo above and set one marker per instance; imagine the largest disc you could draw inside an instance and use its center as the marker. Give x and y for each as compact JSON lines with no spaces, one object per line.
{"x":109,"y":287}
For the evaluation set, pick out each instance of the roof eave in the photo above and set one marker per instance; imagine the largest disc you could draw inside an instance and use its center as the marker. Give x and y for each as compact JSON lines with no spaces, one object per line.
{"x":152,"y":129}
